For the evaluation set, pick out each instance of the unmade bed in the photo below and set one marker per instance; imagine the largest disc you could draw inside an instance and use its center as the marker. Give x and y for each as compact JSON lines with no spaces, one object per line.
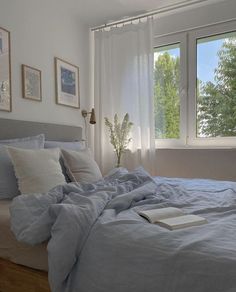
{"x":97,"y":242}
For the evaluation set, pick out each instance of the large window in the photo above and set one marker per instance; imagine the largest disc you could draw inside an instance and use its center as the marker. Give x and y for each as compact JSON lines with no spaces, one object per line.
{"x":195,"y":87}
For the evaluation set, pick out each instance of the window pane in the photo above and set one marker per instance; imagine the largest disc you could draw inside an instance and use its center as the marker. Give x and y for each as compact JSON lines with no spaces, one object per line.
{"x":166,"y":91}
{"x":216,"y":86}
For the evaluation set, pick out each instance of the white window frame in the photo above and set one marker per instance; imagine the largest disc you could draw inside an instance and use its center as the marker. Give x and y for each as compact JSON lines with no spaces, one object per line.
{"x":192,"y":139}
{"x":181,"y":39}
{"x":188,"y":76}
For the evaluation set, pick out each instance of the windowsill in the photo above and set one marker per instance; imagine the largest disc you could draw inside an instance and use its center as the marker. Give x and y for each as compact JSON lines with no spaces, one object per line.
{"x":190,"y":147}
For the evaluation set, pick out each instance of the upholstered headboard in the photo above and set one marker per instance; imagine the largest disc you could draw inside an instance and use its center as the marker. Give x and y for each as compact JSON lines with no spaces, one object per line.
{"x":10,"y":129}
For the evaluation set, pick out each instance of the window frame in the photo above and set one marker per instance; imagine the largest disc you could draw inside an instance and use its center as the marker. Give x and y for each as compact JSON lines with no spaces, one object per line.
{"x":193,"y":36}
{"x":188,"y":94}
{"x":181,"y":39}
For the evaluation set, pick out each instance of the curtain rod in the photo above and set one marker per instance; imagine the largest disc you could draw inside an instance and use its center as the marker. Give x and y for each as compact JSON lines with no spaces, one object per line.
{"x":168,"y":8}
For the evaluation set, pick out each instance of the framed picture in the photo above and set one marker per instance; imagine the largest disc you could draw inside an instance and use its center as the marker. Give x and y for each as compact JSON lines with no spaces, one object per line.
{"x":67,"y":83}
{"x":31,"y":83}
{"x":5,"y":71}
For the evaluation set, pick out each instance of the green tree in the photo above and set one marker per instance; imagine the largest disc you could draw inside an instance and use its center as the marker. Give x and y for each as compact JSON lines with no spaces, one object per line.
{"x":216,"y":110}
{"x":166,"y":96}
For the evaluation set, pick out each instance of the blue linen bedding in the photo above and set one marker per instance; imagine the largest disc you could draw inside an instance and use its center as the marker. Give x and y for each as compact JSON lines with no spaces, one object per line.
{"x":98,"y":242}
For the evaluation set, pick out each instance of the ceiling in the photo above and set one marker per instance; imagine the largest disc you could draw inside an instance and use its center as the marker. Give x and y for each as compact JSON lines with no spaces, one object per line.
{"x":98,"y":12}
{"x":101,"y":11}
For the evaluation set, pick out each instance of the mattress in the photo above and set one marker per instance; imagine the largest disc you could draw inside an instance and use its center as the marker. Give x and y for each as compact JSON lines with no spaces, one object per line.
{"x":19,"y":253}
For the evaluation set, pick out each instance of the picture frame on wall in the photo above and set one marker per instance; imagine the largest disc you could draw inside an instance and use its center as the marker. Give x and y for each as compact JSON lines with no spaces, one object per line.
{"x":5,"y":71}
{"x":67,"y":83}
{"x":31,"y":83}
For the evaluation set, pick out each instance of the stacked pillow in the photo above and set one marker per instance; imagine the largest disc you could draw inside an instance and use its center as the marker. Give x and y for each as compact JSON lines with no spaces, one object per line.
{"x":37,"y":171}
{"x":8,"y":182}
{"x":77,"y":162}
{"x":24,"y":164}
{"x":80,"y":166}
{"x":76,"y":146}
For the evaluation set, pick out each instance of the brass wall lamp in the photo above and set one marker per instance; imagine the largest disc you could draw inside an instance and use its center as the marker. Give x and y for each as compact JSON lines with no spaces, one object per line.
{"x":92,"y":117}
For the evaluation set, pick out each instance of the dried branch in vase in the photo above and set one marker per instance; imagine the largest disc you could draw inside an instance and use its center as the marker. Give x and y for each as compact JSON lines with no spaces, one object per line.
{"x":119,"y":135}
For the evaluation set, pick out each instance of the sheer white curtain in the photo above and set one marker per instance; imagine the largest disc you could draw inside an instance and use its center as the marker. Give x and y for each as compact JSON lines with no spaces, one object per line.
{"x":123,"y":82}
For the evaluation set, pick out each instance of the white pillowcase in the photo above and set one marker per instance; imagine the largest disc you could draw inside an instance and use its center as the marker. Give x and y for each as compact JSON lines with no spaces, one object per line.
{"x":37,"y":171}
{"x":80,"y":166}
{"x":8,"y":182}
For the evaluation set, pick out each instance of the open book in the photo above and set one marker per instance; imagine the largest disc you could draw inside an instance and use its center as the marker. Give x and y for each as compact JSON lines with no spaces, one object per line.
{"x":172,"y":218}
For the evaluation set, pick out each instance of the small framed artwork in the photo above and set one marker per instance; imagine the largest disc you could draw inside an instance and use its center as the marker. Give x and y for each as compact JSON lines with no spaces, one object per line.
{"x":31,"y":83}
{"x":5,"y":71}
{"x":67,"y":83}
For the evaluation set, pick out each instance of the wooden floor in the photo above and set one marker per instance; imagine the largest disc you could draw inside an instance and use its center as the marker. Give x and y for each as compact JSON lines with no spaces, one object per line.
{"x":16,"y":278}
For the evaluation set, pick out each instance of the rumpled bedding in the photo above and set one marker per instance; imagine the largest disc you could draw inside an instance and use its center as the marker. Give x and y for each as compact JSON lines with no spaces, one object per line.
{"x":99,"y":243}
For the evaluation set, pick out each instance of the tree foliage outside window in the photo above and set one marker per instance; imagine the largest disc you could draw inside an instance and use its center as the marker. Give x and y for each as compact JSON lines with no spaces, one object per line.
{"x":166,"y":96}
{"x":216,"y":101}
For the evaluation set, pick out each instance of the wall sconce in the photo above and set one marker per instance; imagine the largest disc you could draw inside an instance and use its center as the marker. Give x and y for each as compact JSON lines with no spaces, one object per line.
{"x":92,"y":117}
{"x":91,"y":121}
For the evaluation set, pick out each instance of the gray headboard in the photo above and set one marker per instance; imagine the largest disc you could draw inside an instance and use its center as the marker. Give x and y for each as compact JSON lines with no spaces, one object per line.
{"x":10,"y":129}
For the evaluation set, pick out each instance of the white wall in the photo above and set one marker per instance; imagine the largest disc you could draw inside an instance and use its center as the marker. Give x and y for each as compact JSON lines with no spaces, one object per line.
{"x":41,"y":30}
{"x":197,"y":163}
{"x":201,"y":163}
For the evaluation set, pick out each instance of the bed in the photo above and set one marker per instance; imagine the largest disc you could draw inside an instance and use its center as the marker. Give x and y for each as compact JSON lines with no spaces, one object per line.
{"x":112,"y":248}
{"x":99,"y":243}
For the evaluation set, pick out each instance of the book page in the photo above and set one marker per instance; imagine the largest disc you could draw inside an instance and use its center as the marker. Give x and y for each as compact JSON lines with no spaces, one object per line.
{"x":182,"y":221}
{"x":155,"y":215}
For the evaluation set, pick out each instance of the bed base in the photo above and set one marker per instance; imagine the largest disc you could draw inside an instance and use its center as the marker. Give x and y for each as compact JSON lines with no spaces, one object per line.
{"x":17,"y":278}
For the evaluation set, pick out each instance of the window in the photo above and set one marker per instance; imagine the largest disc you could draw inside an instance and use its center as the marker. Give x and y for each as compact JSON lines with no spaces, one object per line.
{"x":195,"y":88}
{"x":170,"y":90}
{"x":166,"y":92}
{"x":216,"y":86}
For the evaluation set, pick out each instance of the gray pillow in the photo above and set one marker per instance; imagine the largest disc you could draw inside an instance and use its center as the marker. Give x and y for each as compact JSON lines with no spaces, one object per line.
{"x":8,"y":182}
{"x":75,"y":146}
{"x":80,"y":166}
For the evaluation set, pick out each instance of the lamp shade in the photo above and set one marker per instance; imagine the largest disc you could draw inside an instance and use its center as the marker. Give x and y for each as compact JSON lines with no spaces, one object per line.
{"x":92,"y":117}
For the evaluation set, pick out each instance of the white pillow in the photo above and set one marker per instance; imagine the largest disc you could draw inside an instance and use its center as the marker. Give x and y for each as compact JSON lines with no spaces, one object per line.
{"x":80,"y":166}
{"x":8,"y":182}
{"x":37,"y":171}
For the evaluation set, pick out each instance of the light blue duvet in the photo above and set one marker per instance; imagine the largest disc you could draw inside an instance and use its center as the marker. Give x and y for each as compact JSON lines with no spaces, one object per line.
{"x":98,"y":242}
